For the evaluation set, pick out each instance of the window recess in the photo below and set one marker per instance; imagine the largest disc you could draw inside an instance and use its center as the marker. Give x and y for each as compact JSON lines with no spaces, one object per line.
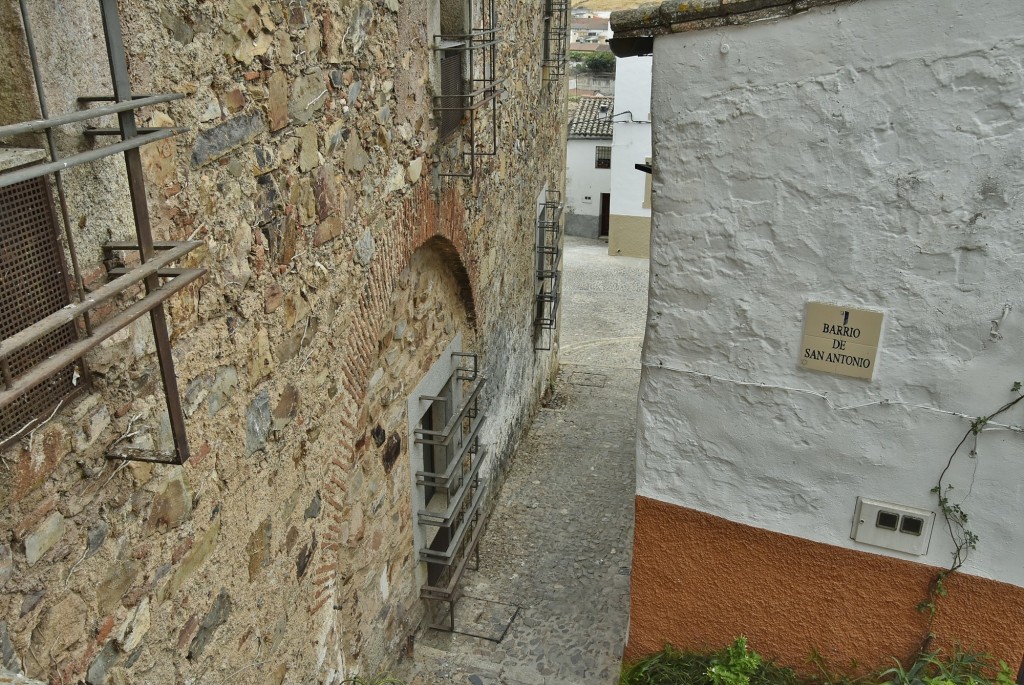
{"x":449,"y":502}
{"x":46,"y":338}
{"x":549,"y":269}
{"x":556,"y":40}
{"x":466,"y":108}
{"x":602,"y":157}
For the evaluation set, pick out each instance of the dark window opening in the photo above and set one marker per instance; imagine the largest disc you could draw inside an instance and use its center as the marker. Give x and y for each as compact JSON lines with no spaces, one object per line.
{"x":451,"y":104}
{"x":603,"y":157}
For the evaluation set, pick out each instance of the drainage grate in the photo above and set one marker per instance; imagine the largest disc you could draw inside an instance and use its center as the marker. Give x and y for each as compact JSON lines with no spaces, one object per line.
{"x":33,"y":285}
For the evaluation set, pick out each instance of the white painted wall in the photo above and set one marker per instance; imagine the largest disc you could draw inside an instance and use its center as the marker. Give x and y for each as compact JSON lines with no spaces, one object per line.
{"x":632,"y":139}
{"x":582,"y":180}
{"x":868,"y":154}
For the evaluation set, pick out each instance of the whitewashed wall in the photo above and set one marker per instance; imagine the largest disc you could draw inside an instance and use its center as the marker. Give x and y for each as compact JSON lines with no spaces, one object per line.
{"x":583,"y":181}
{"x":869,"y":154}
{"x":632,"y":138}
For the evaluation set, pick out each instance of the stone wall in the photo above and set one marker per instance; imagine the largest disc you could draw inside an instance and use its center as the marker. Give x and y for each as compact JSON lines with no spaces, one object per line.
{"x":340,"y":264}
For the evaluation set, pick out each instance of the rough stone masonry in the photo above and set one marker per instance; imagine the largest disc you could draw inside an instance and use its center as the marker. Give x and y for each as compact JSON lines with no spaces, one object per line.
{"x":340,"y":265}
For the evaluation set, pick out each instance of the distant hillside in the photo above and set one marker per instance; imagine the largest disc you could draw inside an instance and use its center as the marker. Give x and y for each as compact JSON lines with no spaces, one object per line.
{"x":609,"y":4}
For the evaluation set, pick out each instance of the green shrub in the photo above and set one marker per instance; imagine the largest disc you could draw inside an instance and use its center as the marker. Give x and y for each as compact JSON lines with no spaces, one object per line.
{"x":739,"y":665}
{"x":734,"y":665}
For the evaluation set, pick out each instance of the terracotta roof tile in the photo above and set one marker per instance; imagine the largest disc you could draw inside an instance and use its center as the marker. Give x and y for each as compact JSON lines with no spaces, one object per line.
{"x":590,"y":121}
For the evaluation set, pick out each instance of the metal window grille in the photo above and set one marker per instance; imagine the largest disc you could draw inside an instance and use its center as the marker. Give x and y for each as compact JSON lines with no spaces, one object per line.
{"x":549,"y":270}
{"x":452,"y":485}
{"x":33,"y":285}
{"x":602,"y":157}
{"x":32,"y":379}
{"x":556,"y":39}
{"x":468,"y":114}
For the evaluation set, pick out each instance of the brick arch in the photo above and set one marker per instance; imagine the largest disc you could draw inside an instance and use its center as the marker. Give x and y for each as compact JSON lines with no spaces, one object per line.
{"x":453,"y":260}
{"x":426,"y":220}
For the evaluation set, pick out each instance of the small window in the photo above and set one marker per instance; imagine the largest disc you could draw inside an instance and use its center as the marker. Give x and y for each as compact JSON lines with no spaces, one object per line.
{"x":603,"y":157}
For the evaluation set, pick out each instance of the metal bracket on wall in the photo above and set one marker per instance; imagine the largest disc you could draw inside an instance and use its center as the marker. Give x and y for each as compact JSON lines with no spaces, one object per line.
{"x":549,"y":270}
{"x":145,"y":284}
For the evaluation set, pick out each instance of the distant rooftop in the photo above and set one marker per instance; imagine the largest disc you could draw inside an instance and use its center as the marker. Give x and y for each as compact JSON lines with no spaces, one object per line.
{"x":592,"y":23}
{"x":658,"y":19}
{"x":589,"y":47}
{"x":591,"y":121}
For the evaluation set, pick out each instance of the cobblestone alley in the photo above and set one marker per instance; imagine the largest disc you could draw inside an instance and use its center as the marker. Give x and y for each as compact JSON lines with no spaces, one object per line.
{"x":550,"y":601}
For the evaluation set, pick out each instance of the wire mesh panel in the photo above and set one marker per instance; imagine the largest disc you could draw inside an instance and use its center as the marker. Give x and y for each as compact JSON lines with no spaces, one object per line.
{"x":33,"y":285}
{"x":450,"y":103}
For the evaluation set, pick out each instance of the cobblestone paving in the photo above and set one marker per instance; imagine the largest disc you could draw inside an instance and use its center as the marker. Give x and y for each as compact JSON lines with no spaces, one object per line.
{"x":552,"y":591}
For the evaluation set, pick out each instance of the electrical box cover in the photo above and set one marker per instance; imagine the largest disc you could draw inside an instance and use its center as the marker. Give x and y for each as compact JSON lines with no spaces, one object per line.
{"x":892,"y":526}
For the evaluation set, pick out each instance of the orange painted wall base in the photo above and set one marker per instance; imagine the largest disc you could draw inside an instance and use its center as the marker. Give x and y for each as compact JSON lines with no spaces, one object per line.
{"x":699,"y":581}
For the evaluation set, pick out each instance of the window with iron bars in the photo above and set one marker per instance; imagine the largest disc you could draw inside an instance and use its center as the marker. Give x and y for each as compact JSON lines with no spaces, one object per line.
{"x":549,"y":268}
{"x":602,"y":157}
{"x":45,"y":333}
{"x":465,"y":105}
{"x":33,"y":285}
{"x":448,"y":503}
{"x":556,"y":39}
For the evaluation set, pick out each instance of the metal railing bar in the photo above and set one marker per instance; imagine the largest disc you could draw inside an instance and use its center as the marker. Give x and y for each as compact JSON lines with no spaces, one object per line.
{"x":101,"y":332}
{"x":448,"y":554}
{"x":93,"y":132}
{"x":51,"y":144}
{"x":434,"y":479}
{"x":84,"y":115}
{"x":68,"y":314}
{"x":433,"y":592}
{"x":457,"y":416}
{"x":85,"y":99}
{"x":443,"y":519}
{"x":37,"y":170}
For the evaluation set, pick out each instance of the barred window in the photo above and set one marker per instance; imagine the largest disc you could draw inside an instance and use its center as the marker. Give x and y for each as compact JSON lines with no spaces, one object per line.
{"x":603,"y":157}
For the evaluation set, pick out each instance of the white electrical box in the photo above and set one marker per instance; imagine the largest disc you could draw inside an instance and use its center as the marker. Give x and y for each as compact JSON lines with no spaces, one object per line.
{"x":893,"y":526}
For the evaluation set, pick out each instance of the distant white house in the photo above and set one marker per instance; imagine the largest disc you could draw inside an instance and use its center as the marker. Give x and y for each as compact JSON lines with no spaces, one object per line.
{"x":588,"y":169}
{"x":630,"y":212}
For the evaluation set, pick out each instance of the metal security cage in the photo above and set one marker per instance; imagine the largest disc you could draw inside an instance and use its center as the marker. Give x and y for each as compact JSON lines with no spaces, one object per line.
{"x":466,"y":108}
{"x":549,"y":270}
{"x":556,"y":39}
{"x":451,"y":517}
{"x":45,"y":341}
